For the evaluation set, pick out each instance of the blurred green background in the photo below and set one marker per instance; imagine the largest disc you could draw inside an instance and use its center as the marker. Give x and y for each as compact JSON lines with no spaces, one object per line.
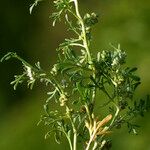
{"x":33,"y":37}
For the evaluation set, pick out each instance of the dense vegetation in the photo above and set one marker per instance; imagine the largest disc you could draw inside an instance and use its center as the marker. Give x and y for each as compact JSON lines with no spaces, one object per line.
{"x":107,"y":43}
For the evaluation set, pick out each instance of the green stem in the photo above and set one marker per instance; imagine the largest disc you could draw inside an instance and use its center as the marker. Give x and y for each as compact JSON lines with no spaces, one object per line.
{"x":88,"y":113}
{"x":91,"y":140}
{"x":74,"y":131}
{"x":76,"y":44}
{"x":69,"y":141}
{"x":95,"y":145}
{"x":116,"y":114}
{"x":14,"y":55}
{"x":75,"y":140}
{"x":85,"y":43}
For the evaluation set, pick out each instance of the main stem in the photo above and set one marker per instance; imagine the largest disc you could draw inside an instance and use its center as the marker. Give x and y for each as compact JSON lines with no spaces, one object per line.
{"x":75,"y":140}
{"x":115,"y":116}
{"x":74,"y":145}
{"x":86,"y":46}
{"x":85,"y":42}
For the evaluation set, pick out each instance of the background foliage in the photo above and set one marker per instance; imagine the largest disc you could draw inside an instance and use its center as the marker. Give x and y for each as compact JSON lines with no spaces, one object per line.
{"x":32,"y":36}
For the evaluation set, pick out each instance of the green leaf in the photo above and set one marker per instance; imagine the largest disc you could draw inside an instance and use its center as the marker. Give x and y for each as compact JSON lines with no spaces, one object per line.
{"x":8,"y":56}
{"x":33,"y":5}
{"x":133,"y":69}
{"x":69,"y":133}
{"x":75,"y":102}
{"x":31,"y":83}
{"x":52,"y":94}
{"x":90,"y":19}
{"x":132,"y":128}
{"x":134,"y":77}
{"x":47,"y":135}
{"x":135,"y":85}
{"x":46,"y":109}
{"x":18,"y":80}
{"x":58,"y":136}
{"x":38,"y":65}
{"x":56,"y":16}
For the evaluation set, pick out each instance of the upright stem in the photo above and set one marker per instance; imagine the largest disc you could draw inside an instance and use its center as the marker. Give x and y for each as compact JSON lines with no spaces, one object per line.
{"x":75,"y":140}
{"x":95,"y":145}
{"x":69,"y":141}
{"x":86,"y":46}
{"x":74,"y":131}
{"x":115,"y":116}
{"x":85,"y":42}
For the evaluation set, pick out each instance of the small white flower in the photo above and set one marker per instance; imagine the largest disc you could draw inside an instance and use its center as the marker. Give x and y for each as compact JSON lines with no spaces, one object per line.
{"x":115,"y":61}
{"x":29,"y":72}
{"x":54,"y":70}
